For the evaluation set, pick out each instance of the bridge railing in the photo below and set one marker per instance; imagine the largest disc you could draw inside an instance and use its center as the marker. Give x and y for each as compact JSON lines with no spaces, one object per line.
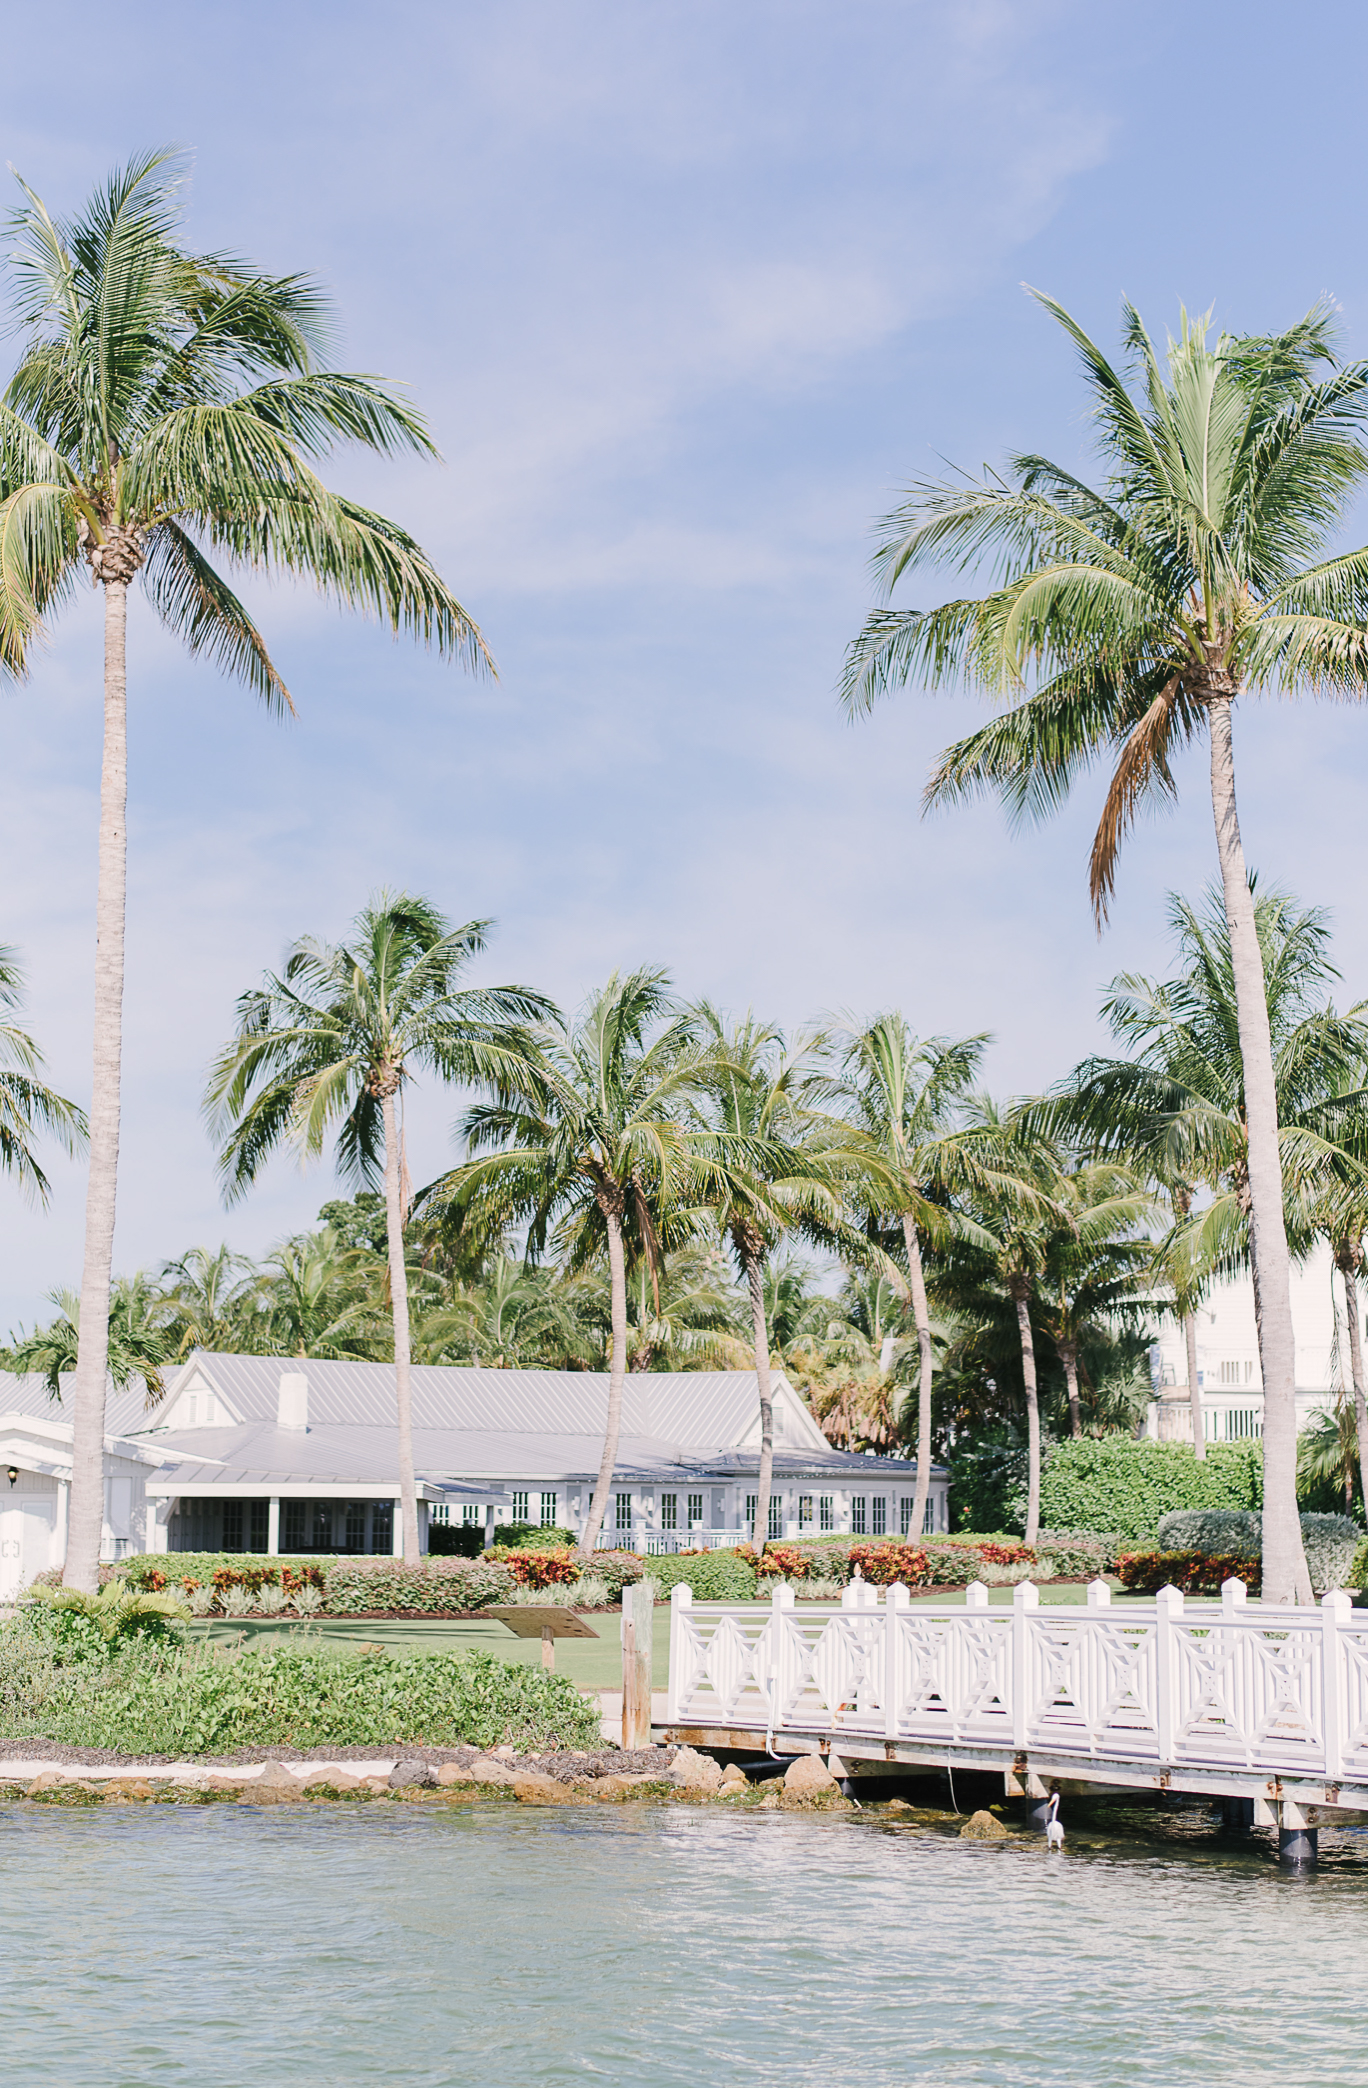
{"x":1227,"y":1684}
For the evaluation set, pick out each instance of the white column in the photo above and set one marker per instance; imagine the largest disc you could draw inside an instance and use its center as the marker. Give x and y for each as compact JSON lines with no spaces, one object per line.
{"x":398,"y":1544}
{"x":273,"y":1527}
{"x":59,"y":1535}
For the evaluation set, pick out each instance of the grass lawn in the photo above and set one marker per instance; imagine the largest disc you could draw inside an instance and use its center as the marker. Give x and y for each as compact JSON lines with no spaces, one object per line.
{"x":590,"y":1663}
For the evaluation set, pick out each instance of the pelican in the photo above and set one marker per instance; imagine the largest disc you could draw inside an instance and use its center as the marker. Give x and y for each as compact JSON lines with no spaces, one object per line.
{"x":1054,"y":1833}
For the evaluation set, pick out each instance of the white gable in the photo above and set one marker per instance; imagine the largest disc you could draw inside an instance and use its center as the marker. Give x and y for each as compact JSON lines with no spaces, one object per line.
{"x":196,"y":1403}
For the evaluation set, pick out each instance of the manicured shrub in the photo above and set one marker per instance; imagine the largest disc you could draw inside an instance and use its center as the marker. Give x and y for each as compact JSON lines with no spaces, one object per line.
{"x":1196,"y":1573}
{"x":1331,"y":1542}
{"x":439,"y":1588}
{"x":1078,"y":1554}
{"x":541,"y":1569}
{"x":455,"y":1540}
{"x":1114,"y":1483}
{"x":784,"y":1562}
{"x":526,"y":1536}
{"x":885,"y":1563}
{"x":1235,"y":1532}
{"x":620,"y":1569}
{"x":714,"y":1576}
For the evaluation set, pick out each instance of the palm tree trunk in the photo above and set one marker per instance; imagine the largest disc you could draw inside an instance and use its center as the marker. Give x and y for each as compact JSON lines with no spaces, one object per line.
{"x":617,"y":1280}
{"x":760,"y":1330}
{"x":921,"y":1318}
{"x":1349,"y":1267}
{"x":1068,"y":1356}
{"x":1285,"y":1577}
{"x":85,"y":1522}
{"x":1028,"y":1371}
{"x":399,"y":1304}
{"x":1194,"y":1384}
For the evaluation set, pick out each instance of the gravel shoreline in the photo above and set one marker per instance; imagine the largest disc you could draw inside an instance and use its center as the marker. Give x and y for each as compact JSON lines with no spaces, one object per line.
{"x":564,"y":1764}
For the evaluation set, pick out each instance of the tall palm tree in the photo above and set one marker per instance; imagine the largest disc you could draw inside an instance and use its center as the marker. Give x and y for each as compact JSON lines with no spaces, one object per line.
{"x":27,"y":1107}
{"x":584,"y":1135}
{"x":1098,"y":1267}
{"x":780,"y":1167}
{"x":334,"y":1042}
{"x":1178,"y":1107}
{"x":1127,"y":621}
{"x":168,"y":406}
{"x":906,"y":1094}
{"x":1017,"y":1213}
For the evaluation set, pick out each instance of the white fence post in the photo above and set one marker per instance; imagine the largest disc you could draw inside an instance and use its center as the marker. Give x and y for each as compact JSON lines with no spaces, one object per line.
{"x":681,"y":1599}
{"x":777,"y":1665}
{"x":1025,"y":1598}
{"x":1099,"y":1594}
{"x":1335,"y":1609}
{"x":1168,"y":1604}
{"x":976,"y":1596}
{"x":895,"y":1609}
{"x":1234,"y":1596}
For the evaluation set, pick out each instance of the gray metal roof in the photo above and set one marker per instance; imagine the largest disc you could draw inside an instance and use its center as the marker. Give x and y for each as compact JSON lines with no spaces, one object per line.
{"x":126,"y":1412}
{"x":690,"y":1409}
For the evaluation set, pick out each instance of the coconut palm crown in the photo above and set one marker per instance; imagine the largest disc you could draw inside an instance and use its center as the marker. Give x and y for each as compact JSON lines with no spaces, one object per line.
{"x":330,"y":1046}
{"x":168,"y":411}
{"x":1126,"y":621}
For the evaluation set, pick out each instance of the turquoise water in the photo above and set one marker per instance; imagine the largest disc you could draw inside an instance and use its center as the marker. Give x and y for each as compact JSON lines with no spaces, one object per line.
{"x":226,"y":1948}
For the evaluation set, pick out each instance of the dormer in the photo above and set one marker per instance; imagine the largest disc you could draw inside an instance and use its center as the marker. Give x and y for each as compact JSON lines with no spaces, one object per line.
{"x":197,"y":1404}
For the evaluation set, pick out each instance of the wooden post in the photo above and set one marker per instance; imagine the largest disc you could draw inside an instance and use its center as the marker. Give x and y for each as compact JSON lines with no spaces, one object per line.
{"x":548,"y":1647}
{"x":638,"y":1620}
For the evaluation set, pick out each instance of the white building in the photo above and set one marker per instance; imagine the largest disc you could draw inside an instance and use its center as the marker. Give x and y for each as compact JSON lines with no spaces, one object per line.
{"x":1228,"y":1356}
{"x":35,"y":1484}
{"x":270,"y":1455}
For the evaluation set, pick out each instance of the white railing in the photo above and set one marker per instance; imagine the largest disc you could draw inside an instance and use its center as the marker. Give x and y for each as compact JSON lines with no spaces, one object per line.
{"x":1206,"y":1685}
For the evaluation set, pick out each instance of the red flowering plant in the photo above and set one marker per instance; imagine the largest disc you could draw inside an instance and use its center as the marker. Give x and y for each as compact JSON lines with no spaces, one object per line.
{"x":783,"y":1562}
{"x":541,"y":1569}
{"x":1196,"y":1573}
{"x":885,"y":1563}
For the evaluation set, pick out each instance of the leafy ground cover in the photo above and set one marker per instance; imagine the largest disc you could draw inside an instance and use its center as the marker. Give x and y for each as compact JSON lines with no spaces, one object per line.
{"x":185,"y":1696}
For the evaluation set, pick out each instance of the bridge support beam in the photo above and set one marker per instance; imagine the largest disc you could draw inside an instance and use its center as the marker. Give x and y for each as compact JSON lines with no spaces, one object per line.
{"x":1298,"y":1844}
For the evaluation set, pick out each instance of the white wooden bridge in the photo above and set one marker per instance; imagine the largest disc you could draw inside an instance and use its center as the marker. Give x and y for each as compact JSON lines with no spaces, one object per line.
{"x":1231,"y":1699}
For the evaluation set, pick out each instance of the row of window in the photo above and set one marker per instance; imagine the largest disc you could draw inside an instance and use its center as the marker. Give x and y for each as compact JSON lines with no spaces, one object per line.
{"x":869,"y":1513}
{"x":305,"y":1526}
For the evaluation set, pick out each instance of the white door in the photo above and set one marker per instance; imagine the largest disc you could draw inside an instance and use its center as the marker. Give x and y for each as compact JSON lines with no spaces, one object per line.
{"x":26,"y":1533}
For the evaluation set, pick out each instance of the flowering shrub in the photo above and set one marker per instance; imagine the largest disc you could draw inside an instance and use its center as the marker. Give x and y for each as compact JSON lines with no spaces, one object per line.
{"x":1196,"y":1573}
{"x":541,"y":1569}
{"x":784,"y":1562}
{"x":885,"y":1563}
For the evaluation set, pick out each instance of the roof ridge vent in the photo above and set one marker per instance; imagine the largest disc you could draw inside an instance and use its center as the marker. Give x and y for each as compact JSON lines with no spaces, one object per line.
{"x":292,"y":1406}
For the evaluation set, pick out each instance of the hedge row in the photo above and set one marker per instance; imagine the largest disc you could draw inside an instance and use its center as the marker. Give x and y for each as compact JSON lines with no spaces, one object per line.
{"x":1195,"y":1572}
{"x":1114,"y":1483}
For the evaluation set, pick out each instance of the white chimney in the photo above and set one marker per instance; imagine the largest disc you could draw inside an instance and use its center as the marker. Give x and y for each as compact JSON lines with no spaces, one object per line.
{"x":292,"y":1409}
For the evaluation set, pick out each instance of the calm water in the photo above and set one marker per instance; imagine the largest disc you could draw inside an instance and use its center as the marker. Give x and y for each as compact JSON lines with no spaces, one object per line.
{"x":227,"y":1948}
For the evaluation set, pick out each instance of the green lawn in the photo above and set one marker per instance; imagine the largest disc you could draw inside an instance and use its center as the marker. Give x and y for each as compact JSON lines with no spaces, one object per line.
{"x":591,"y":1663}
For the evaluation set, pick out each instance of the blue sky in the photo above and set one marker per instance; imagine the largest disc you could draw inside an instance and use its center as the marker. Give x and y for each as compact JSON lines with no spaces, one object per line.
{"x":688,"y":290}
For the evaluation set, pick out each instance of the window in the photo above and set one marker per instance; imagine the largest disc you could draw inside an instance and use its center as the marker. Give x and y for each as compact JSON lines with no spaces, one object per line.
{"x":905,"y":1508}
{"x":826,"y":1512}
{"x":622,"y":1511}
{"x":471,"y":1514}
{"x":439,"y":1512}
{"x":695,"y":1511}
{"x":752,"y":1503}
{"x":382,"y":1527}
{"x":804,"y":1511}
{"x":356,"y":1526}
{"x":776,"y":1516}
{"x":929,"y":1519}
{"x":520,"y":1507}
{"x":669,"y":1511}
{"x":322,"y":1526}
{"x":261,"y":1525}
{"x":859,"y":1510}
{"x":232,"y":1525}
{"x":879,"y":1524}
{"x":548,"y":1511}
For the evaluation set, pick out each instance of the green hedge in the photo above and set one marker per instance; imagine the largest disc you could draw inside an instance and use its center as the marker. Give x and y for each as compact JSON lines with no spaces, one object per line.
{"x":715,"y":1576}
{"x":1118,"y":1485}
